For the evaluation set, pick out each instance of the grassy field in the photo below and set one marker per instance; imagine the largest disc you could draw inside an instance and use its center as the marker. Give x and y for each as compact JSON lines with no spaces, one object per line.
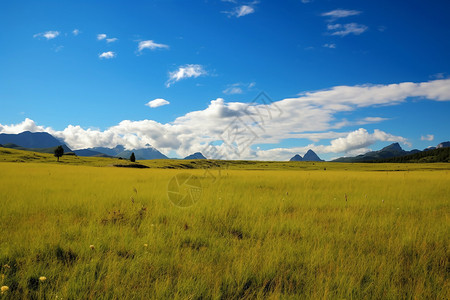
{"x":256,"y":230}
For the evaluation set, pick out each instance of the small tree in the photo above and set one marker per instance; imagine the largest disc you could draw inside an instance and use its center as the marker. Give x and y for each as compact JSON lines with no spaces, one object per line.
{"x":132,"y":157}
{"x":59,"y":151}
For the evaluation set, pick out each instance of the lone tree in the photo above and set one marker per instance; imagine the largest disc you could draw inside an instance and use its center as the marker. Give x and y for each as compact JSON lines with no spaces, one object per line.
{"x":132,"y":157}
{"x":59,"y":151}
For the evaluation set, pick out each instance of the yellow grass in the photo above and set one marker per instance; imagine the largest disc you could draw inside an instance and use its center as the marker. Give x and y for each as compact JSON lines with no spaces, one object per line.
{"x":284,"y":233}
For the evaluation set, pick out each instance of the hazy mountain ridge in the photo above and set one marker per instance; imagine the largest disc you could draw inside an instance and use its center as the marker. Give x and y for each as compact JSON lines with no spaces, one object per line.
{"x":392,"y":151}
{"x":441,"y":154}
{"x":33,"y":140}
{"x":46,"y":143}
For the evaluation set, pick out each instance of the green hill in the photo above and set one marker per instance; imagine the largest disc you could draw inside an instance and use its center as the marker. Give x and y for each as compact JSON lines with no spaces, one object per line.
{"x":429,"y":156}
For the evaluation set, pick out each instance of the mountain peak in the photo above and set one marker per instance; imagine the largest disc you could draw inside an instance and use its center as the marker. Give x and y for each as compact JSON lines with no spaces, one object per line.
{"x":393,"y":147}
{"x":296,"y":158}
{"x":443,"y":145}
{"x":311,"y":156}
{"x":196,"y":155}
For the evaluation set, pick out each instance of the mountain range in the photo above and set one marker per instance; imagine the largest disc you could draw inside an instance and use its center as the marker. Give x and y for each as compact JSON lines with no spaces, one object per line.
{"x":120,"y":151}
{"x":28,"y":139}
{"x":309,"y":156}
{"x":392,"y":151}
{"x":32,"y":141}
{"x":46,"y":143}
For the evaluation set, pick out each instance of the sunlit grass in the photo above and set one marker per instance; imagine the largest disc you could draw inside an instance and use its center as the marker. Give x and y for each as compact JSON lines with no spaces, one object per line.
{"x":104,"y":232}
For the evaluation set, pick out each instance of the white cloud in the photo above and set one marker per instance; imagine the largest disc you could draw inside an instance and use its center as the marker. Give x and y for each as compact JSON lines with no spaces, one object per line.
{"x":334,"y":26}
{"x":186,"y":71}
{"x":150,"y":44}
{"x":58,"y":48}
{"x":346,"y":29}
{"x":312,"y":115}
{"x":331,"y":46}
{"x":26,"y":125}
{"x":233,"y":90}
{"x":101,"y":36}
{"x":361,"y":139}
{"x":107,"y":55}
{"x":341,"y":13}
{"x":238,"y":88}
{"x":76,"y":32}
{"x":157,"y":103}
{"x":428,"y":137}
{"x":353,"y":143}
{"x":48,"y":35}
{"x":242,"y":10}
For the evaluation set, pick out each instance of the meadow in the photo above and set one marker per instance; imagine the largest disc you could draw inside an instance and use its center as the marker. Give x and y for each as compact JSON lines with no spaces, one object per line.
{"x":266,"y":230}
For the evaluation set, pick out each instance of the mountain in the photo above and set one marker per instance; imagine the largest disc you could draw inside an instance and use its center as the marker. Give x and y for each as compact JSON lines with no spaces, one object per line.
{"x":119,"y":151}
{"x":196,"y":155}
{"x":32,"y":140}
{"x":296,"y":157}
{"x":50,"y":150}
{"x":90,"y":153}
{"x":309,"y":156}
{"x":108,"y":151}
{"x":142,"y":154}
{"x":427,"y":156}
{"x":443,"y":145}
{"x":393,"y":150}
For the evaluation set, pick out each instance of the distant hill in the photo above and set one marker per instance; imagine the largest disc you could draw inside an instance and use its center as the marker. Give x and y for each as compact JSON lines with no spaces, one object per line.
{"x":90,"y":153}
{"x":443,"y":145}
{"x":309,"y":156}
{"x":196,"y":155}
{"x":32,"y":140}
{"x":392,"y":151}
{"x":119,"y":151}
{"x":108,"y":151}
{"x":49,"y":150}
{"x":429,"y":156}
{"x":142,"y":154}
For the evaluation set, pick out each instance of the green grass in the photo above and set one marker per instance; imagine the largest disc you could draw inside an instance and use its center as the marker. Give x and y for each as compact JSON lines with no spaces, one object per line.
{"x":259,"y":230}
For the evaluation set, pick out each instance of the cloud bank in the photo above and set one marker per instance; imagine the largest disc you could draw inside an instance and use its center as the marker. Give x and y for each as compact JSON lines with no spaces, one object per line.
{"x":312,"y":115}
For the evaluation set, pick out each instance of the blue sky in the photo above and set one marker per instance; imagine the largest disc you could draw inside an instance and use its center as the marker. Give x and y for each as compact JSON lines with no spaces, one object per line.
{"x":88,"y":71}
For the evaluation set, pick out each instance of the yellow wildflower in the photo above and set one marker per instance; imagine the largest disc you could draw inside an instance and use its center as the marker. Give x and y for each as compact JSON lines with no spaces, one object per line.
{"x":4,"y":289}
{"x":42,"y":278}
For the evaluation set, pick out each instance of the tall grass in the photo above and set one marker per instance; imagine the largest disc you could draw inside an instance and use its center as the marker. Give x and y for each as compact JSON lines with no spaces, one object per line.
{"x":253,"y":234}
